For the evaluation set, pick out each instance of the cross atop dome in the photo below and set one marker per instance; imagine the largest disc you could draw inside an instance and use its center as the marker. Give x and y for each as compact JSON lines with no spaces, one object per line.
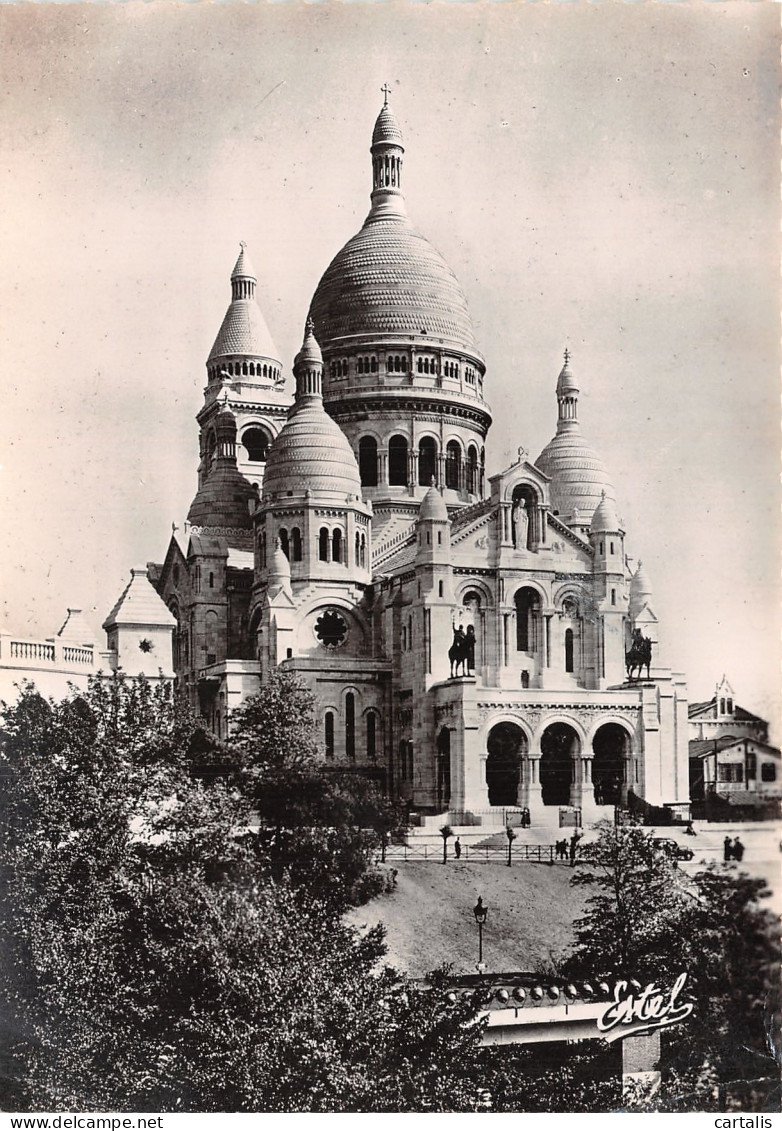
{"x":386,"y":89}
{"x":567,"y":355}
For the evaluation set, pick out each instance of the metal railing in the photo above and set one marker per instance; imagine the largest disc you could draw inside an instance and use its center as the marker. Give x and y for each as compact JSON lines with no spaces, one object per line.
{"x":477,"y":853}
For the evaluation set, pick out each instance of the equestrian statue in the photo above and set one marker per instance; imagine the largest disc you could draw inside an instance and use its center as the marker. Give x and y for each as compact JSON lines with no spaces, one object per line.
{"x":640,"y":654}
{"x":462,"y":651}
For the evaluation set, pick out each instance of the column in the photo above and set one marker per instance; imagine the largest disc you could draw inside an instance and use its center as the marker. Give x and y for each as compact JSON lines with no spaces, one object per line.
{"x":588,"y":804}
{"x":547,"y":639}
{"x":441,"y":470}
{"x":505,"y":643}
{"x":533,"y":799}
{"x":576,"y":776}
{"x":382,"y":466}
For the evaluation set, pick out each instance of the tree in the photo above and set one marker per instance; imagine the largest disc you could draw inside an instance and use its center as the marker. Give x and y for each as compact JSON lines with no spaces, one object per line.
{"x":649,"y":921}
{"x":149,"y":962}
{"x":320,"y":824}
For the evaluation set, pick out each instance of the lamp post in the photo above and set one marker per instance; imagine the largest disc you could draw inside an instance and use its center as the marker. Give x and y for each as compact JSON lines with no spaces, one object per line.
{"x":480,"y":912}
{"x":511,"y":837}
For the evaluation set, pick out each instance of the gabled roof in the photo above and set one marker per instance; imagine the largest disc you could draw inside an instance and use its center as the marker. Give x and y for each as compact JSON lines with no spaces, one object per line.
{"x":701,"y":747}
{"x":140,"y":604}
{"x":709,"y":709}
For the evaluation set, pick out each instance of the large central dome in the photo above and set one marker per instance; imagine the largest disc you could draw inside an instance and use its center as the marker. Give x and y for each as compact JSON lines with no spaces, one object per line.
{"x":388,"y":281}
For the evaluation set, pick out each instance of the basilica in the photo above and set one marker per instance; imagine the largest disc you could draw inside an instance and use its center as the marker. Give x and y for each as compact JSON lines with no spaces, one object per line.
{"x":464,"y":635}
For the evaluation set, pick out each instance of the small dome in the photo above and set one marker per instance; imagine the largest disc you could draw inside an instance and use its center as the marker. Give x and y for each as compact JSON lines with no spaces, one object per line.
{"x":578,"y":475}
{"x":311,"y":452}
{"x":566,"y":382}
{"x":605,"y":517}
{"x":640,"y":586}
{"x":433,"y":508}
{"x":309,"y":354}
{"x":386,"y":129}
{"x":279,"y":566}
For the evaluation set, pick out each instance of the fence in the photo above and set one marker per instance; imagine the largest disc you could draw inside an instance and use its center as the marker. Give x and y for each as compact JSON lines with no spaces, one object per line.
{"x":478,"y":853}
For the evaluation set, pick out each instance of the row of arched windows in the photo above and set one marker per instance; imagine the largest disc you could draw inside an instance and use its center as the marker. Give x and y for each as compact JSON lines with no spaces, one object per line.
{"x":331,"y":546}
{"x":460,"y":473}
{"x":371,"y":730}
{"x":245,"y":369}
{"x":399,"y":363}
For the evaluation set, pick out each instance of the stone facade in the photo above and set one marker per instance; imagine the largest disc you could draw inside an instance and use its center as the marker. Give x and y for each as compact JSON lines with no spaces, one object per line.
{"x":361,"y":538}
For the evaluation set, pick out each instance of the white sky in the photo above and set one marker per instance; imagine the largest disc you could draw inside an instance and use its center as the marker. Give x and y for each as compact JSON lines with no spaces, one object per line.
{"x":601,"y":176}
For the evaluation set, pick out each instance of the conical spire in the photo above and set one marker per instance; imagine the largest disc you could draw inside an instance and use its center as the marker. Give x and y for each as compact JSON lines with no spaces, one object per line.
{"x":243,"y":346}
{"x":387,"y":150}
{"x":243,"y":276}
{"x":308,"y":366}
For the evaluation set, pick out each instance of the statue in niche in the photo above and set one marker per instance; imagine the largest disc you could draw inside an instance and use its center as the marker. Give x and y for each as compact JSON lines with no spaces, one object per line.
{"x":520,"y":521}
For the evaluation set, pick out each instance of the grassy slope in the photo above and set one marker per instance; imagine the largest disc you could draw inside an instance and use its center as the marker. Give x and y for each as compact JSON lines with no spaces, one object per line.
{"x":429,"y":917}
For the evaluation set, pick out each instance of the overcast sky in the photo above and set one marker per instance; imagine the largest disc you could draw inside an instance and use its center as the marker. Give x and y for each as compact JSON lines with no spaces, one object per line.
{"x":600,"y":176}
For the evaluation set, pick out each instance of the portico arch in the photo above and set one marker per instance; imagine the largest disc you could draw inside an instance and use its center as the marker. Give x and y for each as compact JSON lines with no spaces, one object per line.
{"x":611,"y":746}
{"x":560,"y":745}
{"x":506,"y":745}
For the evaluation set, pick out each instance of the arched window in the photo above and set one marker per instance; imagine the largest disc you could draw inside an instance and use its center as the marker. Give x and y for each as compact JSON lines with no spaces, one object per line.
{"x":372,"y":735}
{"x":453,"y":459}
{"x":357,"y":558}
{"x":323,"y":544}
{"x":527,"y":605}
{"x":568,"y":649}
{"x":427,"y":461}
{"x":367,"y":461}
{"x":397,"y":461}
{"x":328,"y":733}
{"x":363,"y":555}
{"x":472,"y":470}
{"x":256,"y":443}
{"x":296,"y":543}
{"x":211,"y":581}
{"x":350,"y":726}
{"x":284,"y":542}
{"x":336,"y":545}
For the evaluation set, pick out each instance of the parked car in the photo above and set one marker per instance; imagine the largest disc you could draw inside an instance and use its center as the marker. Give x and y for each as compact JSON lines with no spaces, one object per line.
{"x":672,"y":848}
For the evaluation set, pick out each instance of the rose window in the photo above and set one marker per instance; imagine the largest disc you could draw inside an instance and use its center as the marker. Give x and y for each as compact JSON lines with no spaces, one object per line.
{"x":331,"y":629}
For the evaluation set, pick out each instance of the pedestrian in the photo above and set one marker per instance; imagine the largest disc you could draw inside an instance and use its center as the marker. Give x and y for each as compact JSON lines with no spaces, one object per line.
{"x":738,"y":850}
{"x":727,"y":849}
{"x":576,"y":837}
{"x":690,"y":831}
{"x":457,"y":848}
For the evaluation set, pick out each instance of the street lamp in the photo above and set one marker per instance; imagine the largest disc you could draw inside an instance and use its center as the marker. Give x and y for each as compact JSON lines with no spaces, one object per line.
{"x":480,"y":912}
{"x":511,"y":837}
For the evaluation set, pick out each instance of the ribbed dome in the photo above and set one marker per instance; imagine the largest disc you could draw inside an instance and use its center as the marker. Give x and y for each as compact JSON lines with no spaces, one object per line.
{"x":433,"y":508}
{"x":388,"y":279}
{"x":311,"y":452}
{"x":578,"y":475}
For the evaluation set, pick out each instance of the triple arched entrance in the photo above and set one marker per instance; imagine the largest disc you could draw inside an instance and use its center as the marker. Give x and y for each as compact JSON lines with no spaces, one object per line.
{"x":567,"y":772}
